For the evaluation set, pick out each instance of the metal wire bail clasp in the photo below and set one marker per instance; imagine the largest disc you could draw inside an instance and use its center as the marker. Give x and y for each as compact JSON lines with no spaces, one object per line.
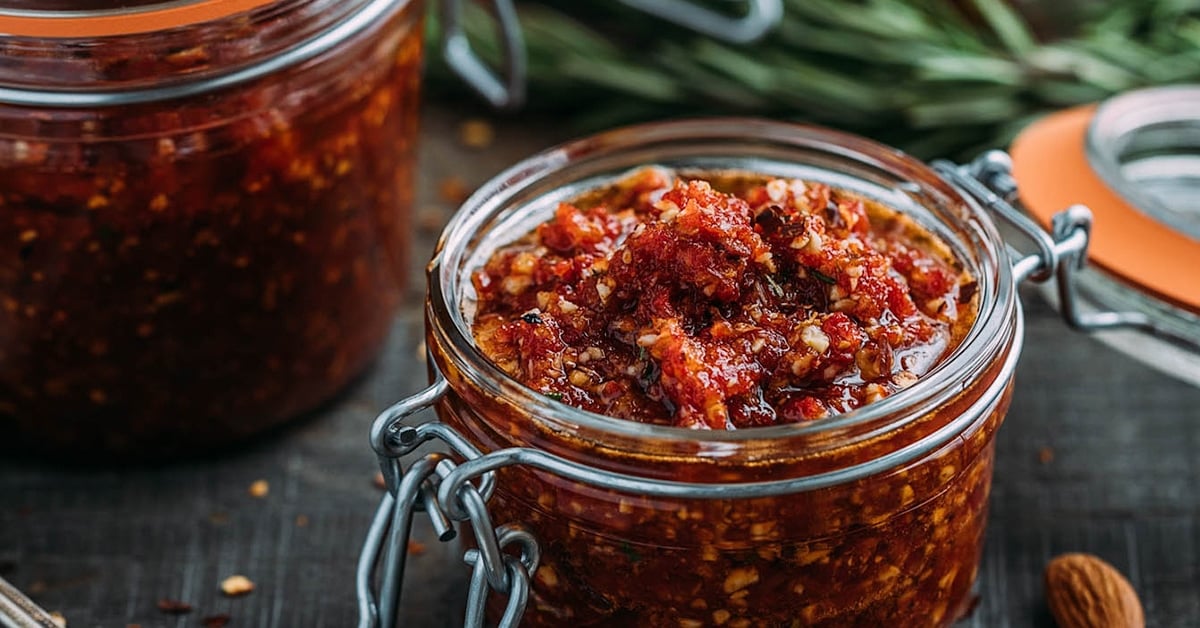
{"x":761,"y":16}
{"x":418,"y":488}
{"x":1059,"y":254}
{"x":505,"y":91}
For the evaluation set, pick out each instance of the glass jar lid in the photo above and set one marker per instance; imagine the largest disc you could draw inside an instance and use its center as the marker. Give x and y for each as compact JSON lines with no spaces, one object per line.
{"x":1134,"y":161}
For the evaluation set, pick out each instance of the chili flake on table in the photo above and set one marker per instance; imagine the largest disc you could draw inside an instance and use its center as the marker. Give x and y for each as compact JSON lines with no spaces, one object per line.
{"x":721,"y":301}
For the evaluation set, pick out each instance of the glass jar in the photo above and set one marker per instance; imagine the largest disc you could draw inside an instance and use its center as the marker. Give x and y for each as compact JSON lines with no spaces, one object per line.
{"x":203,"y":214}
{"x":873,"y":517}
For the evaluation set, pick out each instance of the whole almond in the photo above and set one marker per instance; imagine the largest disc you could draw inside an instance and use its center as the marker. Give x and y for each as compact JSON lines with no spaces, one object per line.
{"x":1083,"y":591}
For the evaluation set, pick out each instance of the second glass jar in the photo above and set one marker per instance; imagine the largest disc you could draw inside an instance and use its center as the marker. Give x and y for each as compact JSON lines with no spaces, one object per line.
{"x":203,"y":224}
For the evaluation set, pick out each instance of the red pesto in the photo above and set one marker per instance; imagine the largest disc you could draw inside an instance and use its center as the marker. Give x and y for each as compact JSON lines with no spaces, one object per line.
{"x":733,"y":302}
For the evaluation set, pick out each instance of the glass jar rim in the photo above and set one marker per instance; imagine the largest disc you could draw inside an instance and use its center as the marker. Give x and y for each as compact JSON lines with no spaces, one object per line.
{"x":1159,"y":123}
{"x":309,"y":30}
{"x":995,"y":329}
{"x":127,"y":19}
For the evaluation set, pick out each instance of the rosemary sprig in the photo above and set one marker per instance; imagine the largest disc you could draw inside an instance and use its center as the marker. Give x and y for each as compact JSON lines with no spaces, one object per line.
{"x":935,"y":77}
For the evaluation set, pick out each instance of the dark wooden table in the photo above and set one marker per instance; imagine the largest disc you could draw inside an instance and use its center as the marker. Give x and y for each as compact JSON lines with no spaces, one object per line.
{"x":1099,"y":454}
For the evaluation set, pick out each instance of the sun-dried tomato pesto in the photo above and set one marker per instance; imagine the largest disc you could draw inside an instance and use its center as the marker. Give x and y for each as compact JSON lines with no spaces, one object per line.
{"x":182,"y":273}
{"x":726,"y":303}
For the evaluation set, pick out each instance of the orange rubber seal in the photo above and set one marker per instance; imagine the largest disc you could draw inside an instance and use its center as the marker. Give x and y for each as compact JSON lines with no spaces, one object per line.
{"x":1052,"y":172}
{"x":122,"y":22}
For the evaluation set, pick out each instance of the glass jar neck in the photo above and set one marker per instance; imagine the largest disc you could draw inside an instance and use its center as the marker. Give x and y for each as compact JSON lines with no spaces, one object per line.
{"x":70,"y":56}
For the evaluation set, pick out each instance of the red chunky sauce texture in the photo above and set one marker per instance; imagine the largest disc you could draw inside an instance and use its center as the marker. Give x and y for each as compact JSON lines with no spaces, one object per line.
{"x":734,"y":302}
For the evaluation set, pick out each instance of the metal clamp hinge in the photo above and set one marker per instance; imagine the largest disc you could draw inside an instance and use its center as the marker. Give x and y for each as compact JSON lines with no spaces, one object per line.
{"x":420,"y":488}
